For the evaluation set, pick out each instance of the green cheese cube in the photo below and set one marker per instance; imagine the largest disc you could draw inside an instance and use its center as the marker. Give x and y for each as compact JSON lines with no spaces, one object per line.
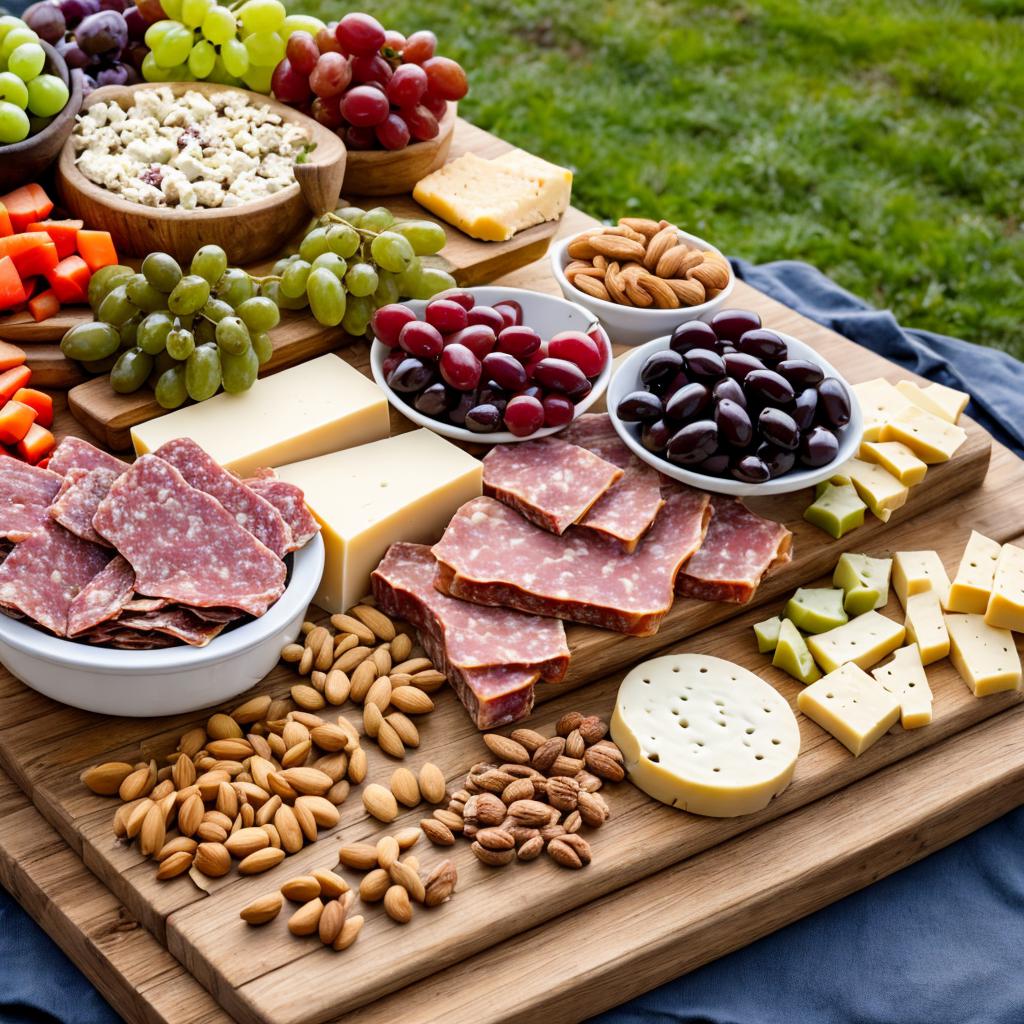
{"x":865,"y":581}
{"x":837,"y":510}
{"x":792,"y":655}
{"x":835,"y":481}
{"x":767,"y":634}
{"x":816,"y":609}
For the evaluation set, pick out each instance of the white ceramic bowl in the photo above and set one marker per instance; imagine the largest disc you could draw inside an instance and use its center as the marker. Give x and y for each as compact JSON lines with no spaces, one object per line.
{"x":546,"y":314}
{"x":628,"y":325}
{"x":170,"y":681}
{"x":627,"y":379}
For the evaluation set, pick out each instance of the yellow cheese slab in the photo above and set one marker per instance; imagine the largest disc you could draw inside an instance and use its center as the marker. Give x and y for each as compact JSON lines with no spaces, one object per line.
{"x":897,"y":458}
{"x":850,"y":705}
{"x":876,"y":487}
{"x":931,"y":439}
{"x":904,"y":677}
{"x":970,"y":589}
{"x":926,"y":626}
{"x":865,"y":641}
{"x":1006,"y":602}
{"x":917,"y":571}
{"x":406,"y":487}
{"x":946,"y":403}
{"x":985,"y":656}
{"x":879,"y":401}
{"x":317,"y":407}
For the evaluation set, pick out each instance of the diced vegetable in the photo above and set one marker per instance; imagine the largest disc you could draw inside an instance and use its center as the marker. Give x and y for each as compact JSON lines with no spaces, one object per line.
{"x":26,"y":204}
{"x":37,"y":261}
{"x":97,"y":249}
{"x":63,"y":232}
{"x":13,"y":379}
{"x":36,"y":444}
{"x":38,"y":400}
{"x":15,"y":245}
{"x":6,"y":228}
{"x":12,"y":291}
{"x":15,"y":420}
{"x":70,"y":279}
{"x":44,"y":305}
{"x":10,"y":355}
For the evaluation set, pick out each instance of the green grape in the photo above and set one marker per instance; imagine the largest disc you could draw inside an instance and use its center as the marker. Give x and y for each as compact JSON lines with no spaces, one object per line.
{"x":283,"y":264}
{"x":265,"y":49}
{"x":7,"y":22}
{"x":151,"y":71}
{"x":235,"y":57}
{"x":130,"y":371}
{"x":216,"y":309}
{"x":352,"y":214}
{"x":89,"y":342}
{"x":202,"y":373}
{"x":116,"y":308}
{"x":153,"y":331}
{"x":205,"y":332}
{"x":26,"y":61}
{"x":161,"y":271}
{"x":238,"y":372}
{"x":431,"y":282}
{"x":15,"y":38}
{"x":392,"y":251}
{"x":326,"y":297}
{"x":99,"y":365}
{"x":300,"y":23}
{"x":293,"y":280}
{"x":170,"y":43}
{"x":426,"y":237}
{"x":259,"y":314}
{"x":13,"y":90}
{"x":314,"y":244}
{"x":129,"y":331}
{"x":144,"y":295}
{"x":189,"y":295}
{"x":14,"y":124}
{"x":263,"y":15}
{"x":105,"y":280}
{"x":164,"y":362}
{"x":332,"y":262}
{"x":272,"y":290}
{"x":258,"y":79}
{"x":232,"y":336}
{"x":171,"y":390}
{"x":209,"y":262}
{"x":343,"y":239}
{"x":262,"y":346}
{"x":235,"y":287}
{"x":387,"y":290}
{"x":193,"y":12}
{"x":357,"y":316}
{"x":219,"y":25}
{"x":361,"y":279}
{"x":409,"y":279}
{"x":181,"y":343}
{"x":201,"y":58}
{"x":172,"y":8}
{"x":220,"y":75}
{"x":380,"y":218}
{"x":47,"y":95}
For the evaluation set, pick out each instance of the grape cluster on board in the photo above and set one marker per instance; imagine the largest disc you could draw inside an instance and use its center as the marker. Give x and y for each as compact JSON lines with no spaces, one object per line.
{"x":29,"y":97}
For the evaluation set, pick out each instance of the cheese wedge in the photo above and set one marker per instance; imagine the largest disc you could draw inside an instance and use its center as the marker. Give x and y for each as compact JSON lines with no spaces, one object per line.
{"x":946,"y":403}
{"x":877,"y":487}
{"x":904,"y":677}
{"x":1006,"y":602}
{"x":897,"y":458}
{"x":926,"y":626}
{"x":970,"y":590}
{"x":931,"y":439}
{"x":865,"y":641}
{"x":879,"y":401}
{"x":985,"y":656}
{"x":916,"y":571}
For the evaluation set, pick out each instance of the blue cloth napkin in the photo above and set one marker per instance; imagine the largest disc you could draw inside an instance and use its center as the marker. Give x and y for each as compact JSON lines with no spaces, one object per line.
{"x":937,"y":943}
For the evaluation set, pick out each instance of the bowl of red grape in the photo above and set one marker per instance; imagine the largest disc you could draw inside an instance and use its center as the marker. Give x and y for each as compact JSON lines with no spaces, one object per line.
{"x":490,"y":365}
{"x":732,"y":407}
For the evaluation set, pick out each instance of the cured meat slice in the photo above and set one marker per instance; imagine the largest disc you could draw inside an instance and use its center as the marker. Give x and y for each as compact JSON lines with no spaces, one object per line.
{"x":291,"y":503}
{"x":627,"y":511}
{"x":129,"y":639}
{"x":25,"y":493}
{"x":46,"y":572}
{"x":179,"y":623}
{"x":491,"y":555}
{"x":103,"y":598}
{"x":740,"y":547}
{"x":79,"y":496}
{"x":74,"y":453}
{"x":184,"y":545}
{"x":551,"y":482}
{"x":251,"y":512}
{"x":141,"y":605}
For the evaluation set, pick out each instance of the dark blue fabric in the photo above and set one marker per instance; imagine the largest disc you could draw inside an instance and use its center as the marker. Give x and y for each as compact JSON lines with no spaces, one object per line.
{"x":937,"y":943}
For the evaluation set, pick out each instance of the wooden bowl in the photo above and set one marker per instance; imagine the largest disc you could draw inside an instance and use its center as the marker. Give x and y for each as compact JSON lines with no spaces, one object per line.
{"x":248,"y":232}
{"x":387,"y":172}
{"x":25,"y":161}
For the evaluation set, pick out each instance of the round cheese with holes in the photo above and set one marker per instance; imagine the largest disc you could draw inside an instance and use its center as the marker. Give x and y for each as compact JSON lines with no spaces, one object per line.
{"x":705,"y":735}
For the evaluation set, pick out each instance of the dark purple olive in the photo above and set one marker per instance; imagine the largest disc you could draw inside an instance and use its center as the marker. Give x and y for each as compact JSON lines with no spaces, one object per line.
{"x":734,"y":424}
{"x":704,"y":364}
{"x":661,"y":367}
{"x":723,"y":348}
{"x":778,"y":460}
{"x":561,"y":375}
{"x":654,"y":436}
{"x":410,"y":375}
{"x":640,"y":407}
{"x":764,"y":344}
{"x":834,"y":402}
{"x":433,"y":401}
{"x":491,"y":394}
{"x":466,"y":401}
{"x":533,"y":391}
{"x":483,"y":419}
{"x":779,"y":428}
{"x":687,"y":402}
{"x":505,"y":370}
{"x":728,"y":388}
{"x":739,"y":364}
{"x":751,"y":469}
{"x":693,"y":443}
{"x":732,"y":324}
{"x":668,"y":389}
{"x":768,"y":387}
{"x":804,"y":408}
{"x":715,"y":465}
{"x":693,"y":334}
{"x":801,"y":373}
{"x":818,"y":447}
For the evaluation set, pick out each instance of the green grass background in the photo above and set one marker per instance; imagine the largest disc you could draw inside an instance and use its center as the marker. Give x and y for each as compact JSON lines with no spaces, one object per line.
{"x":881,"y":141}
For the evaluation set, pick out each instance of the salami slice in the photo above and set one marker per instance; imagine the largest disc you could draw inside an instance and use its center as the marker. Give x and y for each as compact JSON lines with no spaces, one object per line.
{"x":291,"y":503}
{"x":179,"y":623}
{"x":25,"y":493}
{"x":141,"y":605}
{"x":79,"y":496}
{"x":740,"y":547}
{"x":551,"y":482}
{"x":629,"y":508}
{"x":491,"y":555}
{"x":74,"y":453}
{"x":103,"y":598}
{"x":183,"y":544}
{"x":251,"y":512}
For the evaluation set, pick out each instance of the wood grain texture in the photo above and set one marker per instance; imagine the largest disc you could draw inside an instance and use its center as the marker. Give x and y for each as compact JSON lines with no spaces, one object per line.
{"x":51,"y":369}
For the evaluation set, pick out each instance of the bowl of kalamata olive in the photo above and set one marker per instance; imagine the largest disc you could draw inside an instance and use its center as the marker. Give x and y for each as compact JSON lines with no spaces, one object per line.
{"x":490,"y":365}
{"x":732,"y":407}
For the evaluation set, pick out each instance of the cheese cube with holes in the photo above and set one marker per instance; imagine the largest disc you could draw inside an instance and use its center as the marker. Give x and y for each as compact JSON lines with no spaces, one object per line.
{"x":850,"y":705}
{"x":705,"y":735}
{"x":897,"y":458}
{"x":877,"y":487}
{"x":926,"y":626}
{"x":970,"y":589}
{"x":879,"y":401}
{"x":946,"y":403}
{"x":406,"y":487}
{"x":931,"y":439}
{"x":916,"y":571}
{"x":1006,"y":602}
{"x":904,"y":677}
{"x":865,"y":641}
{"x":986,"y":657}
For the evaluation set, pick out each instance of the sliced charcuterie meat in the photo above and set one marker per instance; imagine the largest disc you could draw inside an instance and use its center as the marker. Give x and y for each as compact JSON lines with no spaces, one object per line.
{"x":491,"y":555}
{"x":74,"y":453}
{"x":291,"y":503}
{"x":79,"y":496}
{"x":180,"y":623}
{"x":103,"y":598}
{"x":141,"y":605}
{"x":551,"y":482}
{"x":25,"y":494}
{"x":251,"y":512}
{"x":740,"y":547}
{"x":183,"y":544}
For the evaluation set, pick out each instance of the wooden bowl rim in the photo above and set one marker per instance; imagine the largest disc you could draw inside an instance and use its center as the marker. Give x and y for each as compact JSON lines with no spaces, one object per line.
{"x":121,"y":94}
{"x":364,"y":158}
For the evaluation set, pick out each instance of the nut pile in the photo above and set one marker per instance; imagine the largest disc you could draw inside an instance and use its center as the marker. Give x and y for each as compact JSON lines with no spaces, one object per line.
{"x":538,"y":799}
{"x":644,"y":263}
{"x":405,"y":788}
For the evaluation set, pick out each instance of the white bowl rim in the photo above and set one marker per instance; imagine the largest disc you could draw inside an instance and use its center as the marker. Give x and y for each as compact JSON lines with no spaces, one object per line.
{"x":379,"y":351}
{"x":796,"y":480}
{"x":559,"y":258}
{"x":307,"y":568}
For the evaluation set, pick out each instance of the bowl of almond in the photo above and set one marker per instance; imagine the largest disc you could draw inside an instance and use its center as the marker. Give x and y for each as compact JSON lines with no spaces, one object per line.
{"x":642,"y":278}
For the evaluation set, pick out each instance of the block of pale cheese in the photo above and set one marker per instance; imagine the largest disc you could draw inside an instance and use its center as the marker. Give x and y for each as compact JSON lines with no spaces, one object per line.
{"x":865,"y":640}
{"x":879,"y":401}
{"x":946,"y":403}
{"x":931,"y":439}
{"x":897,"y":458}
{"x":985,"y":656}
{"x":915,"y":571}
{"x":1006,"y":602}
{"x":405,"y":487}
{"x":970,"y":589}
{"x":904,"y":677}
{"x":926,"y":626}
{"x":705,"y":735}
{"x":877,"y":487}
{"x":317,"y":407}
{"x":850,"y":705}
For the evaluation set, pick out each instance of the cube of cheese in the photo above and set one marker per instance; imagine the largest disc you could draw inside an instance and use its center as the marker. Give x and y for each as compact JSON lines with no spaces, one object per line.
{"x":1006,"y":602}
{"x":877,"y":487}
{"x":897,"y":458}
{"x":879,"y":401}
{"x":970,"y":590}
{"x":946,"y":403}
{"x":850,"y":705}
{"x":406,"y":487}
{"x":904,"y":677}
{"x":917,"y":571}
{"x":985,"y":656}
{"x":317,"y":407}
{"x":926,"y":627}
{"x":865,"y":641}
{"x":930,"y":438}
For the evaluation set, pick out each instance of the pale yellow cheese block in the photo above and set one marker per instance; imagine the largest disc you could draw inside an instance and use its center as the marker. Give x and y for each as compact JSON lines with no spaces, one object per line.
{"x":917,"y":571}
{"x":946,"y":403}
{"x":905,"y":678}
{"x":897,"y":458}
{"x":317,"y":407}
{"x":865,"y":641}
{"x":926,"y":626}
{"x":1006,"y":602}
{"x":970,"y":589}
{"x":985,"y":656}
{"x":879,"y":401}
{"x":850,"y":705}
{"x":406,"y":487}
{"x":876,"y":487}
{"x":931,"y":439}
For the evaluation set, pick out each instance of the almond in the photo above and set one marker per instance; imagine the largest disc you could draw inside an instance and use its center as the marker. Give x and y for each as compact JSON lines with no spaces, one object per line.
{"x":139,"y":782}
{"x":710,"y":273}
{"x":183,"y":773}
{"x":530,"y":812}
{"x":306,"y":920}
{"x":260,"y":861}
{"x":405,"y":787}
{"x":581,"y":248}
{"x":407,"y":732}
{"x":338,"y":793}
{"x":349,"y":932}
{"x":332,"y":920}
{"x":440,"y":884}
{"x":350,"y":624}
{"x":667,"y":238}
{"x":374,"y":619}
{"x":301,"y":889}
{"x":351,"y":660}
{"x":569,"y":851}
{"x":227,"y":800}
{"x":287,"y":826}
{"x":401,"y":647}
{"x":397,"y":905}
{"x":179,"y":844}
{"x":642,"y":225}
{"x":617,"y":247}
{"x":380,"y":802}
{"x":212,"y":860}
{"x":363,"y":677}
{"x":411,"y":700}
{"x":544,"y":756}
{"x":223,"y":727}
{"x":437,"y":832}
{"x":591,"y":287}
{"x":495,"y":839}
{"x":361,"y":856}
{"x":153,"y":831}
{"x":506,"y":749}
{"x":494,"y":858}
{"x":106,"y":779}
{"x":604,"y":764}
{"x":432,"y":783}
{"x":337,"y":687}
{"x":333,"y":765}
{"x":453,"y":822}
{"x":308,"y":781}
{"x":528,"y":738}
{"x":174,"y":865}
{"x":357,"y":765}
{"x":324,"y":813}
{"x":262,"y":910}
{"x":689,"y":293}
{"x":292,"y":653}
{"x":389,"y":741}
{"x":307,"y":822}
{"x":428,"y":680}
{"x":403,"y":873}
{"x":381,"y":659}
{"x":373,"y":718}
{"x":412,"y":666}
{"x":374,"y":885}
{"x":331,"y":885}
{"x":245,"y":841}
